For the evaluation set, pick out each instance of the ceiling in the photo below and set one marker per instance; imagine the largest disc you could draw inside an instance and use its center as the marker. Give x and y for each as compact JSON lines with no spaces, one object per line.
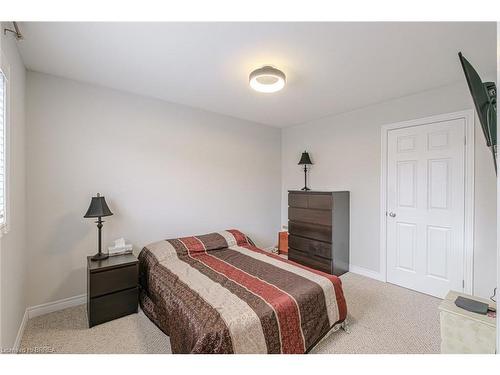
{"x":330,"y":67}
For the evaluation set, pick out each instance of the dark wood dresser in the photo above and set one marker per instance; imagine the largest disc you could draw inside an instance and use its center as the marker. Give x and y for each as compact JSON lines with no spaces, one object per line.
{"x":318,"y":227}
{"x":112,"y":288}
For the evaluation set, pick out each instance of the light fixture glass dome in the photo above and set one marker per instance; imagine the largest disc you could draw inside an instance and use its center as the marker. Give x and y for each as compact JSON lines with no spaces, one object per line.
{"x":267,"y":79}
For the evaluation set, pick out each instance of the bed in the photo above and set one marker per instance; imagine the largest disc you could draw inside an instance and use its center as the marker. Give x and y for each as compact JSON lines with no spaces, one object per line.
{"x":218,"y":293}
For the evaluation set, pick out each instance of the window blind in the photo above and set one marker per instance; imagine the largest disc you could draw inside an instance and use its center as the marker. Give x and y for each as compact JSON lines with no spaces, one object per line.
{"x":3,"y":118}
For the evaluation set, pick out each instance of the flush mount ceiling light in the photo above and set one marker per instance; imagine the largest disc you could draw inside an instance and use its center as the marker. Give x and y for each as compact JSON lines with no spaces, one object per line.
{"x":267,"y":79}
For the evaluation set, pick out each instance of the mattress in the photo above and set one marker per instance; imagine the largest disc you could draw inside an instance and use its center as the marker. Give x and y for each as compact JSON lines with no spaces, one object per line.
{"x":218,"y":293}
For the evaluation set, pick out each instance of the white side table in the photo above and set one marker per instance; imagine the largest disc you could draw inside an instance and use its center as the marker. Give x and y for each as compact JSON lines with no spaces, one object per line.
{"x":463,"y":331}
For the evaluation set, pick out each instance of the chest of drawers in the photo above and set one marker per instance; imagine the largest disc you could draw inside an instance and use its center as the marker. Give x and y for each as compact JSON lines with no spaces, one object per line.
{"x":318,"y":227}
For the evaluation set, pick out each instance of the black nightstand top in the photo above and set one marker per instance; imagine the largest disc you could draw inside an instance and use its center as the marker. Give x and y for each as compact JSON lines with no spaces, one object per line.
{"x":110,"y":263}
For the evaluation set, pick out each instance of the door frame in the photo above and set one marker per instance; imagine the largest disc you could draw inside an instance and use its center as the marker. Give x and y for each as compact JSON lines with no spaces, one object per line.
{"x":468,"y":116}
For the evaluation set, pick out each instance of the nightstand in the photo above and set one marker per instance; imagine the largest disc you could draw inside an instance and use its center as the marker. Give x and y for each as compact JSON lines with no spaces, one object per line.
{"x":112,"y":288}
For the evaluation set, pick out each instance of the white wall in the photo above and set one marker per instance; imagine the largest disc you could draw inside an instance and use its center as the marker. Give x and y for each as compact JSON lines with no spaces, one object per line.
{"x":346,"y":151}
{"x":165,"y":170}
{"x":13,"y":244}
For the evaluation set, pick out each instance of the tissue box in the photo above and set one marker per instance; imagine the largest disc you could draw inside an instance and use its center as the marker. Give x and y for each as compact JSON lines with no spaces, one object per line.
{"x":114,"y":250}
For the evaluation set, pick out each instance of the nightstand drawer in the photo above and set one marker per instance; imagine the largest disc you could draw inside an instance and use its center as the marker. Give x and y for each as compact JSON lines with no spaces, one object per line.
{"x":113,"y":280}
{"x":112,"y":306}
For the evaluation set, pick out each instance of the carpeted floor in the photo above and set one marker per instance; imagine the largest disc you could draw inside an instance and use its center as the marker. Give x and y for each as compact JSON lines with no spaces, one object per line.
{"x":383,"y":318}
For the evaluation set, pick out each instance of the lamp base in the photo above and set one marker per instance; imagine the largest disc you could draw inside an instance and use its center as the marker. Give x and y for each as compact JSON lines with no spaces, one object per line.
{"x":100,"y":256}
{"x":305,"y":188}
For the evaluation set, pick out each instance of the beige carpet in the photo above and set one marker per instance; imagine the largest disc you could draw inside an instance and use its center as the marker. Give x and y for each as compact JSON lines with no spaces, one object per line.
{"x":383,"y":318}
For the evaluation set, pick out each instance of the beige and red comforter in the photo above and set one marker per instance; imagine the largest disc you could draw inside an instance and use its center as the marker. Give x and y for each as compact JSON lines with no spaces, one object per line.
{"x":217,"y":293}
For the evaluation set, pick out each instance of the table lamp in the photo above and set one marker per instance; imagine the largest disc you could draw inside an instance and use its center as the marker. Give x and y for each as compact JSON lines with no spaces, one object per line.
{"x":305,"y":160}
{"x":98,"y":208}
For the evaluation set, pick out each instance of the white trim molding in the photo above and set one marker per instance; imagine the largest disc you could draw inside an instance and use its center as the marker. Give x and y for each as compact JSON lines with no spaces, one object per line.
{"x":468,"y":116}
{"x":6,"y":69}
{"x":498,"y":196}
{"x":366,"y":272}
{"x":61,"y":304}
{"x":20,"y":332}
{"x":45,"y":308}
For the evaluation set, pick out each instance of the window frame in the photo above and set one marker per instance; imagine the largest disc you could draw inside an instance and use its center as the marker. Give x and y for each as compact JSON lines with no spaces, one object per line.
{"x":5,"y":69}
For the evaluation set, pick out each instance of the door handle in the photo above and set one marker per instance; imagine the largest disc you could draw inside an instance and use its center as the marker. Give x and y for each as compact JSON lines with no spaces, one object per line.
{"x":392,"y":214}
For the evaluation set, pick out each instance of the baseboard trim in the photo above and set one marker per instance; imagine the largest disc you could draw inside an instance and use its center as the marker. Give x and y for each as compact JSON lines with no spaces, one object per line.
{"x":366,"y":272}
{"x":61,"y":304}
{"x":43,"y":309}
{"x":20,"y":332}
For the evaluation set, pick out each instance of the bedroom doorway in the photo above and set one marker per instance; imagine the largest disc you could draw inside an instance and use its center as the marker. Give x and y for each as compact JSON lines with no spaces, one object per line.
{"x":427,"y":198}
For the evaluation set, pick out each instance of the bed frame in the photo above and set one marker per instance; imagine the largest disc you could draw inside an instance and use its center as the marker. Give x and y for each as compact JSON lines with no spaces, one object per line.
{"x":344,"y":325}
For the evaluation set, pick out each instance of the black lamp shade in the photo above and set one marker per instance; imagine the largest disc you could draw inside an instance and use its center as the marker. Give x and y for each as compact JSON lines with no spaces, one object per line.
{"x":305,"y":159}
{"x":98,"y":208}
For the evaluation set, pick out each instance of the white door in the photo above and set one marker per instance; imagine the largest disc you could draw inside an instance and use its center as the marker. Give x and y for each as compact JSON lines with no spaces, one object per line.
{"x":425,"y":207}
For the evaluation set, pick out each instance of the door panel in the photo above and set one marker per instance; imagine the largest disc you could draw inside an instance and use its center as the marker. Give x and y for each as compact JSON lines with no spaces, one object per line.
{"x":425,"y":205}
{"x":439,"y":183}
{"x":438,"y":247}
{"x":406,"y":180}
{"x":407,"y":236}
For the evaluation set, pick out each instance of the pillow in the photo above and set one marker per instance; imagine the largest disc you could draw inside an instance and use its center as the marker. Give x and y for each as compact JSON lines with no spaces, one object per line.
{"x":213,"y":241}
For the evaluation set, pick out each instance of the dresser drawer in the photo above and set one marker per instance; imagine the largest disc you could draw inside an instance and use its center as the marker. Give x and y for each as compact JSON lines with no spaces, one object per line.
{"x":314,"y":201}
{"x":314,"y":262}
{"x":312,"y":247}
{"x":297,"y":200}
{"x":113,"y":280}
{"x":319,"y":201}
{"x":307,"y":215}
{"x":105,"y":308}
{"x":313,"y":231}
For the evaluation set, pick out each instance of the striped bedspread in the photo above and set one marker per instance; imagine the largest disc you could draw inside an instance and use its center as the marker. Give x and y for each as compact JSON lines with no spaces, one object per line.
{"x":217,"y":293}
